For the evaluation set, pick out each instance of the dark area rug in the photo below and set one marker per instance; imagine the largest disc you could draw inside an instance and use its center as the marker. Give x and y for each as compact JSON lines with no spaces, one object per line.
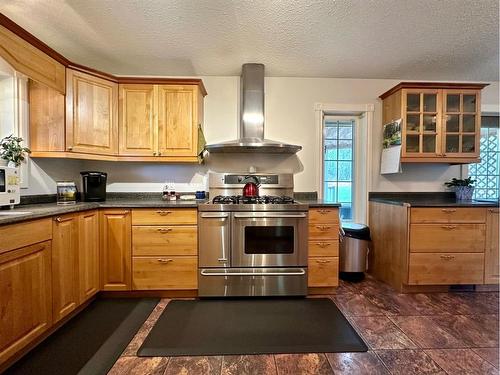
{"x":251,"y":326}
{"x":91,"y":342}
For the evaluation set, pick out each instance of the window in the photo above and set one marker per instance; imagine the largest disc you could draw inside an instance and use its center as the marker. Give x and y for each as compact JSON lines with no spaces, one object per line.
{"x":487,"y":173}
{"x":338,"y":163}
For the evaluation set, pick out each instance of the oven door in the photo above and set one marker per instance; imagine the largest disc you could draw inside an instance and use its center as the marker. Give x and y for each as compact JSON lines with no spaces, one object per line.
{"x":269,"y":239}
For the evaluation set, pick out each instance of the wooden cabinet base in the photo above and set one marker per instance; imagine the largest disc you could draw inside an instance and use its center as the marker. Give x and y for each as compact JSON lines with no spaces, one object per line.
{"x":322,"y":291}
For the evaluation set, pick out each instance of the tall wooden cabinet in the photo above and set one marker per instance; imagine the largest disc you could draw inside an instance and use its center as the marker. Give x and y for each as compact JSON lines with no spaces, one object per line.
{"x":116,"y":252}
{"x":65,"y":251}
{"x":26,"y":301}
{"x":440,"y":121}
{"x":160,"y":120}
{"x":91,"y":114}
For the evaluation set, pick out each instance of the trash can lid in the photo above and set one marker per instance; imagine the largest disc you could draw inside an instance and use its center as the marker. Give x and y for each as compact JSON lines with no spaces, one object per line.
{"x":359,"y":231}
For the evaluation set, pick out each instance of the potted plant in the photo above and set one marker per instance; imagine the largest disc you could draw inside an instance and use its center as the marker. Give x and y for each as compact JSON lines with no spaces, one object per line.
{"x":463,"y":188}
{"x":12,"y":152}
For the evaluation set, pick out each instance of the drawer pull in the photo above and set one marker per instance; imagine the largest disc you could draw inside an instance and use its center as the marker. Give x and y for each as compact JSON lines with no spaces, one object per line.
{"x":323,"y":227}
{"x":163,"y":213}
{"x":447,"y":257}
{"x":323,"y":244}
{"x":162,"y":260}
{"x":323,"y":212}
{"x":449,"y":227}
{"x":323,"y":261}
{"x":449,"y":210}
{"x":164,"y":230}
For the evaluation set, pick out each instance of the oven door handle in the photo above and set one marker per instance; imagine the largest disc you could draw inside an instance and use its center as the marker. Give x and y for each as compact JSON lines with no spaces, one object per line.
{"x":298,"y":272}
{"x":214,"y":215}
{"x":268,"y":215}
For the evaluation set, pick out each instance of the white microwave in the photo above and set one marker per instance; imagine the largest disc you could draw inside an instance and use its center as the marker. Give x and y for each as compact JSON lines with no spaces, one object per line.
{"x":10,"y":186}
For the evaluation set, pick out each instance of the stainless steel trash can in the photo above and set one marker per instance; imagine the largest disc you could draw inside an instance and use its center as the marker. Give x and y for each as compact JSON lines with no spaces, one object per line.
{"x":354,"y":247}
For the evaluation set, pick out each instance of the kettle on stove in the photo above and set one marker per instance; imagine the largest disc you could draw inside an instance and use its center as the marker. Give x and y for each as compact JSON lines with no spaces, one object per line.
{"x":251,"y":188}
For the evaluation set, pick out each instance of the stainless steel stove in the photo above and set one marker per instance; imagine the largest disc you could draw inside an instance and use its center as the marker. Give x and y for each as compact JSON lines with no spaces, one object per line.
{"x":252,"y":246}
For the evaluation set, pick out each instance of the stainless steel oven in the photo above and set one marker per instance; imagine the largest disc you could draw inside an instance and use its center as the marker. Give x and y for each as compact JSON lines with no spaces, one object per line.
{"x":269,"y":239}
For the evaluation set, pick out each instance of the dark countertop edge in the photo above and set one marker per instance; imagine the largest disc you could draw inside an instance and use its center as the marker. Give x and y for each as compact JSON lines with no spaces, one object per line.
{"x":411,"y":203}
{"x":43,"y":210}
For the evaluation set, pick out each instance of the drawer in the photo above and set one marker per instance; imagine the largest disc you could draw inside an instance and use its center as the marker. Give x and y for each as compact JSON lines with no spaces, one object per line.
{"x":164,"y":216}
{"x":445,"y":268}
{"x":164,"y":240}
{"x":323,"y":271}
{"x":24,"y":234}
{"x":323,"y":231}
{"x":326,"y":215}
{"x":448,"y":215}
{"x":175,"y":272}
{"x":324,"y":248}
{"x":438,"y":238}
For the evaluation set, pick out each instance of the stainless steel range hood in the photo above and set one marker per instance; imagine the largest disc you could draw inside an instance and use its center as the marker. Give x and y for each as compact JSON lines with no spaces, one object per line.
{"x":251,"y":135}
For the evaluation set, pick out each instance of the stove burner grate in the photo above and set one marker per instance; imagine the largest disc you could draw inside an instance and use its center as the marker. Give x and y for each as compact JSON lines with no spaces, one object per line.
{"x":265,"y":199}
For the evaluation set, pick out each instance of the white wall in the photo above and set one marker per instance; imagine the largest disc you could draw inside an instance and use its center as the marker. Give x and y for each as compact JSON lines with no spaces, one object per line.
{"x":290,"y":118}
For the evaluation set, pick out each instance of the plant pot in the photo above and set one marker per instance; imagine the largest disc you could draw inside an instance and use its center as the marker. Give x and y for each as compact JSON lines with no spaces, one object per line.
{"x":464,"y":193}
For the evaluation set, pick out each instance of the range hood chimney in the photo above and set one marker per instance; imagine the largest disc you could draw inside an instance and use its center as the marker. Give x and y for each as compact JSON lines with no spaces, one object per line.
{"x":251,"y":134}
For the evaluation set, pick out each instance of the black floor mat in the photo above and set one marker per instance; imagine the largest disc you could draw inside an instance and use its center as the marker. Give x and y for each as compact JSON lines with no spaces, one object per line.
{"x":91,"y":342}
{"x":256,"y":326}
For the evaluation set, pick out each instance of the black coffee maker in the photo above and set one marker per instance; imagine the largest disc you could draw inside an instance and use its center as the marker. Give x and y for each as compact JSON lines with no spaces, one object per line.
{"x":94,"y":186}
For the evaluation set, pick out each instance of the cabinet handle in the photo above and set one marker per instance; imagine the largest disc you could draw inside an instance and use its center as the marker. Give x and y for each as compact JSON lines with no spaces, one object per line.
{"x":163,"y":213}
{"x":323,"y":244}
{"x":447,"y":257}
{"x":154,"y":153}
{"x":163,"y":260}
{"x":323,"y":227}
{"x":450,"y":227}
{"x":323,"y":261}
{"x":159,"y":153}
{"x":491,"y":210}
{"x":448,"y":210}
{"x":58,"y":219}
{"x":323,"y":212}
{"x":164,"y":230}
{"x":70,"y":148}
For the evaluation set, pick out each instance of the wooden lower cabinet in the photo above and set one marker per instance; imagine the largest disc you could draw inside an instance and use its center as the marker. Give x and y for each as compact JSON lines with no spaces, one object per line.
{"x":26,"y":296}
{"x":323,"y":271}
{"x":445,"y":268}
{"x":116,"y":249}
{"x":173,"y":272}
{"x":491,"y":258}
{"x":88,"y":255}
{"x":65,"y":252}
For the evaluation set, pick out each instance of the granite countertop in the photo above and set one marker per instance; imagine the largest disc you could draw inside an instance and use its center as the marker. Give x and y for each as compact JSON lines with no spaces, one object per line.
{"x":431,"y":199}
{"x":40,"y":210}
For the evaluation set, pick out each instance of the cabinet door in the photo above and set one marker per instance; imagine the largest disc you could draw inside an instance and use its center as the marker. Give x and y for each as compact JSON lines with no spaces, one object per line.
{"x":91,"y":114}
{"x":137,"y":128}
{"x":116,"y":253}
{"x":177,"y":120}
{"x":64,"y":265}
{"x":421,"y":124}
{"x":88,"y":254}
{"x":461,"y":123}
{"x":491,"y":272}
{"x":26,"y":301}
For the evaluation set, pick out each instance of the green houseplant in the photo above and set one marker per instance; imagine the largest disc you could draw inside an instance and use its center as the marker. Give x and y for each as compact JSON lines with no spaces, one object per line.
{"x":463,"y":188}
{"x":12,"y":151}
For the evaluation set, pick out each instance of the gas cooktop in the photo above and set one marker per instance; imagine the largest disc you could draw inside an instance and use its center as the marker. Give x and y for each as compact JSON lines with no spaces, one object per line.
{"x":264,"y":199}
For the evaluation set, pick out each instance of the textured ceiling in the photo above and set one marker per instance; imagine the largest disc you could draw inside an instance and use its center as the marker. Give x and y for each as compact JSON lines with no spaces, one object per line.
{"x":400,"y":39}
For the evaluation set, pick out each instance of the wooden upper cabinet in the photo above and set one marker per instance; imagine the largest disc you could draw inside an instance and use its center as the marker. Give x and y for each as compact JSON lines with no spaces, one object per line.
{"x":88,"y":254}
{"x":26,"y":300}
{"x":137,"y":113}
{"x":440,"y":121}
{"x":116,"y":249}
{"x":178,"y":120}
{"x":91,"y":114}
{"x":491,"y":257}
{"x":29,"y":60}
{"x":65,"y":281}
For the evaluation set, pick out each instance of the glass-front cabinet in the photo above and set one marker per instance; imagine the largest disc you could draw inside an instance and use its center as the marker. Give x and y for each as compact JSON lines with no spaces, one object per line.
{"x":440,"y":121}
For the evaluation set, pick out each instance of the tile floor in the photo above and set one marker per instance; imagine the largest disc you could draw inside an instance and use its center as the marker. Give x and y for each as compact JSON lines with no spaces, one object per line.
{"x":438,"y":333}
